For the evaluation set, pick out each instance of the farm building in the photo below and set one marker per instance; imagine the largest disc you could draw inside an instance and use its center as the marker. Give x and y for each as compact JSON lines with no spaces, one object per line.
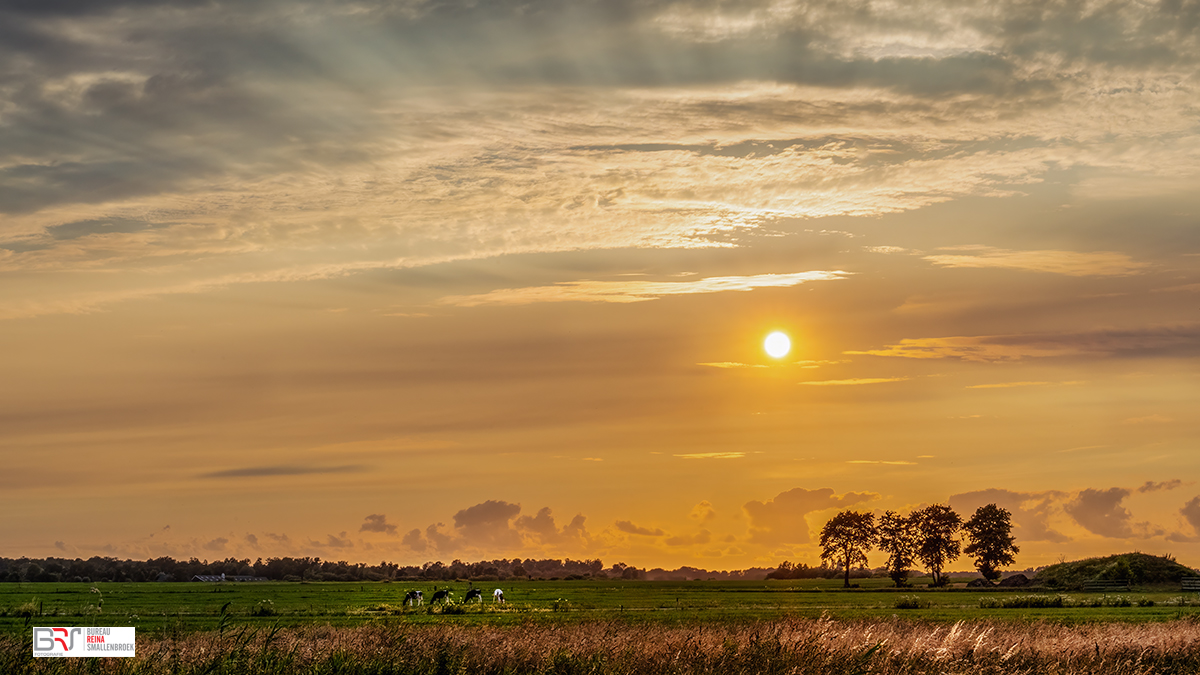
{"x":223,"y":577}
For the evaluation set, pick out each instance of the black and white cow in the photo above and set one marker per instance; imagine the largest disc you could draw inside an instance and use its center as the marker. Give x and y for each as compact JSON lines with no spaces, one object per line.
{"x":443,"y":595}
{"x":474,"y":594}
{"x":498,"y":595}
{"x":415,"y":598}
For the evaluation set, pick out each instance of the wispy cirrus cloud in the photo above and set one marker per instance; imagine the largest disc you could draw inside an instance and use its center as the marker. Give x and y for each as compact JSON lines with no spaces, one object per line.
{"x":712,"y":455}
{"x":635,"y":291}
{"x":1151,"y":341}
{"x":282,"y":470}
{"x":854,"y":381}
{"x":1070,"y":263}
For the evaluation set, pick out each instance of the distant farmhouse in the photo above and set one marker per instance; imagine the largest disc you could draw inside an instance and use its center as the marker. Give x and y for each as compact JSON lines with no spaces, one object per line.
{"x":222,"y":577}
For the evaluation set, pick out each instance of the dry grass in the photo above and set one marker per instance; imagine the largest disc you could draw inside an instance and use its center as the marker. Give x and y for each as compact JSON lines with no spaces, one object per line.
{"x":785,"y":646}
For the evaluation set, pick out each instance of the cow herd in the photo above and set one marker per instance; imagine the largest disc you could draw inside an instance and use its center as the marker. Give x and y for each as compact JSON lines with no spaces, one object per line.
{"x":417,"y":598}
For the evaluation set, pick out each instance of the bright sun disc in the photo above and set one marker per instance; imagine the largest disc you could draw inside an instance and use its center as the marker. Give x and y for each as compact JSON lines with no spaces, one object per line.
{"x":777,"y":345}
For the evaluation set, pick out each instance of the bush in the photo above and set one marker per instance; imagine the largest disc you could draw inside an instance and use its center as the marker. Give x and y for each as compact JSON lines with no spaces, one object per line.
{"x":910,"y":602}
{"x":1023,"y":602}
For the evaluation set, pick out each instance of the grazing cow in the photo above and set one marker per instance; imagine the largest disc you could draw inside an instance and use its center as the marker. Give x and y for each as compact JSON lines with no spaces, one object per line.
{"x":414,"y":598}
{"x":474,"y":594}
{"x":443,"y":595}
{"x":498,"y":595}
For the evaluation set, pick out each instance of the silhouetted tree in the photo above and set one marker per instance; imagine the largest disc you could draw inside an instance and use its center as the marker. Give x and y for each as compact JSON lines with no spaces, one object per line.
{"x":989,"y":532}
{"x":936,"y":527}
{"x":898,"y":538}
{"x":846,"y":538}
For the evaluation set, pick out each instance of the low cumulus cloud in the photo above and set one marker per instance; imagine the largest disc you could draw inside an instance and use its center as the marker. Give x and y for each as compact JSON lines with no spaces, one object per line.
{"x":377,"y":522}
{"x":1031,"y":511}
{"x":1151,"y":486}
{"x":216,"y":545}
{"x":1191,"y":515}
{"x":703,"y":512}
{"x":629,"y":528}
{"x":1102,"y":512}
{"x":701,"y":537}
{"x":496,"y":526}
{"x":781,"y":520}
{"x":545,"y":530}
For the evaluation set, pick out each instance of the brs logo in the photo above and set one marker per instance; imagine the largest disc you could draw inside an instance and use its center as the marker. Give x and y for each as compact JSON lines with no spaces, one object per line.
{"x":49,"y":639}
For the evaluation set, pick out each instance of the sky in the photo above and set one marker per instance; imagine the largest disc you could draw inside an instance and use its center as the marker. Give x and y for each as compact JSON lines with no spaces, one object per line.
{"x":424,"y":280}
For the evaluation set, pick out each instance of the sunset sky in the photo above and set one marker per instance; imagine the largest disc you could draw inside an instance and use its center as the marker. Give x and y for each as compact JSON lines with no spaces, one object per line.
{"x":422,"y":280}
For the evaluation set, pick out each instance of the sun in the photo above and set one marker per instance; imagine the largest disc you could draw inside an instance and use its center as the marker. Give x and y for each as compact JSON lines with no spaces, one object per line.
{"x":777,"y":345}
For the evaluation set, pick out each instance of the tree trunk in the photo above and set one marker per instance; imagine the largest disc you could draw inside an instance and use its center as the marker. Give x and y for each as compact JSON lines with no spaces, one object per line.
{"x":847,"y":559}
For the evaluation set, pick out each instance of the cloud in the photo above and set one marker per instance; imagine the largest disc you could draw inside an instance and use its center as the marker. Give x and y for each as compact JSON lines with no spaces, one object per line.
{"x":635,"y":291}
{"x":496,"y":526}
{"x":339,"y":540}
{"x":703,"y":512}
{"x":712,"y":455}
{"x":1191,"y":514}
{"x":629,"y":528}
{"x":544,"y":530}
{"x":1142,"y":342}
{"x":415,"y":541}
{"x":1070,"y":263}
{"x":733,"y":364}
{"x":377,"y":523}
{"x":1007,"y":385}
{"x":1151,"y":486}
{"x":60,"y":545}
{"x":701,"y":537}
{"x":781,"y":520}
{"x":855,"y":381}
{"x":1148,"y":419}
{"x":216,"y":545}
{"x":1101,"y":512}
{"x":879,"y":461}
{"x":251,"y":540}
{"x":282,"y":470}
{"x":1031,"y":511}
{"x":487,"y":524}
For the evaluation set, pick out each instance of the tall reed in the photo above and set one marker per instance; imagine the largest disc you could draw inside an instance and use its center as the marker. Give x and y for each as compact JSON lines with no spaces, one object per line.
{"x":791,"y":646}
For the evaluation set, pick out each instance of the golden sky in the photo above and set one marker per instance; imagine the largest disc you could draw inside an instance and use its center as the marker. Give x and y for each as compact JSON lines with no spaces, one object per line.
{"x":419,"y":280}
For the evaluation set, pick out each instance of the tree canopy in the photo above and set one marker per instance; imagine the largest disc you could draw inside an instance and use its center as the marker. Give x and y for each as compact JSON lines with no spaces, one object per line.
{"x":937,"y":545}
{"x":846,"y":538}
{"x":989,"y":532}
{"x":898,"y":537}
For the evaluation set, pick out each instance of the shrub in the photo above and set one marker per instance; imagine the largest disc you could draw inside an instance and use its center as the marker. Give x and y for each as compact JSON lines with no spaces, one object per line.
{"x":1023,"y":602}
{"x":910,"y":602}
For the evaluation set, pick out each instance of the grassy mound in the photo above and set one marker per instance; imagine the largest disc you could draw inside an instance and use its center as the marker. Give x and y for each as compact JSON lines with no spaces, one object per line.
{"x":1134,"y":568}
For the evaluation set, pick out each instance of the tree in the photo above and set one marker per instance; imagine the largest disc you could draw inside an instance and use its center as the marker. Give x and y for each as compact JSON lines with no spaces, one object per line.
{"x":846,"y":538}
{"x":991,"y":542}
{"x":898,"y":538}
{"x":936,"y":527}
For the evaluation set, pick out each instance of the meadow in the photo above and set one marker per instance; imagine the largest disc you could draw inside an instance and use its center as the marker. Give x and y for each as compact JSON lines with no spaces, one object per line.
{"x":186,"y":607}
{"x":793,"y":626}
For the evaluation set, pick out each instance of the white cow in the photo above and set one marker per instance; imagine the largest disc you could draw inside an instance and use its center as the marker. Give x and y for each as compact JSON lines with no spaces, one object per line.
{"x":498,"y":595}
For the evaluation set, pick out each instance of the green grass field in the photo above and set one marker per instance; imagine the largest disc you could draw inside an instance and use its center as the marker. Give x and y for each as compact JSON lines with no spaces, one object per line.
{"x":183,"y":607}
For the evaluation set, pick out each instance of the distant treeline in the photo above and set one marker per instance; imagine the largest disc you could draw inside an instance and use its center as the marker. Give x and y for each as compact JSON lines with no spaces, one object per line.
{"x":314,"y":569}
